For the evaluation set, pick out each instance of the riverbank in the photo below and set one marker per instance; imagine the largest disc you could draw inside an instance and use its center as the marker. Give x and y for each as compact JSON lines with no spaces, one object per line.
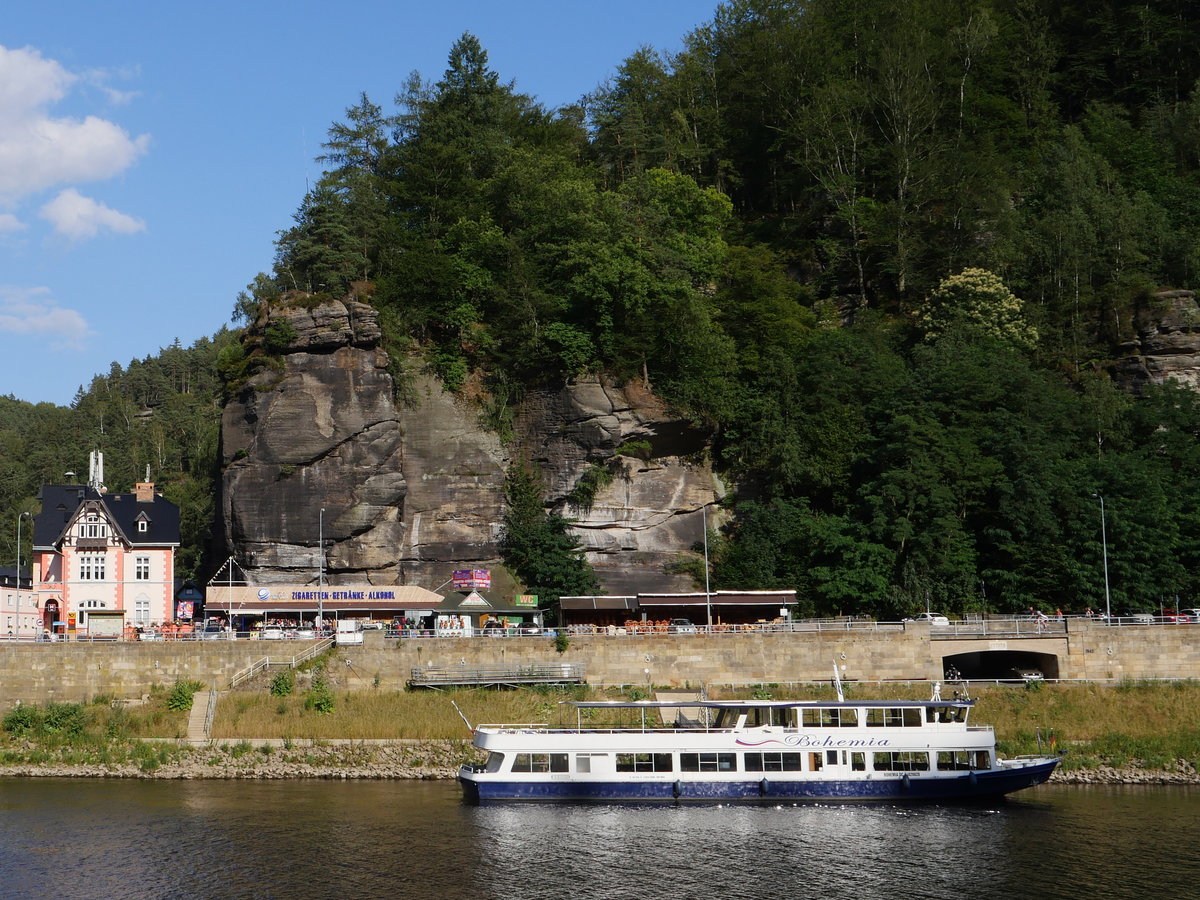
{"x":1131,"y":733}
{"x":269,"y":760}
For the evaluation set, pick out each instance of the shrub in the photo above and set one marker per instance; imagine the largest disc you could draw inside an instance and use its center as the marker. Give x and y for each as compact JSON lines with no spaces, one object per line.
{"x":181,"y":694}
{"x":22,"y":720}
{"x":283,"y":683}
{"x":319,"y":698}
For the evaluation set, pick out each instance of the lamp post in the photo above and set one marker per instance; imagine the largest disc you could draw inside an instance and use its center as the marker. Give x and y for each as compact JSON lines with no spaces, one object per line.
{"x":707,"y":593}
{"x":1104,"y":545}
{"x":321,"y":569}
{"x":21,"y":516}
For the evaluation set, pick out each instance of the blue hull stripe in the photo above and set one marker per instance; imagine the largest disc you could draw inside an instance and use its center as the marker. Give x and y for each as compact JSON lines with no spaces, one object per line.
{"x":960,"y":787}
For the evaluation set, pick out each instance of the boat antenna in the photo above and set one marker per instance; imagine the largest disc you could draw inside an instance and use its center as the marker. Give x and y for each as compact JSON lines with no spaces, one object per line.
{"x":837,"y":684}
{"x":470,"y":727}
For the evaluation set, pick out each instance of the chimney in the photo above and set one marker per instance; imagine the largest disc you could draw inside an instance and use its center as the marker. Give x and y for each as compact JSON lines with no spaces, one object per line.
{"x":144,"y":491}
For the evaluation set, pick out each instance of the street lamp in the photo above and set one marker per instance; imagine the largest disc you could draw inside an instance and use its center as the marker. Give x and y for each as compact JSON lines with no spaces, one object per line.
{"x":1104,"y":544}
{"x":19,"y":518}
{"x":321,"y":569}
{"x":707,"y":594}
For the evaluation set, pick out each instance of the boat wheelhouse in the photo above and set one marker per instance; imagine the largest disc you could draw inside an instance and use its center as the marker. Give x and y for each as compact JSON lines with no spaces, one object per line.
{"x":751,"y":750}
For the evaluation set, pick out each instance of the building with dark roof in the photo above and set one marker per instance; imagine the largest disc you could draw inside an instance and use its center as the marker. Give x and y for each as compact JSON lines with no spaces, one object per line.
{"x":101,"y":560}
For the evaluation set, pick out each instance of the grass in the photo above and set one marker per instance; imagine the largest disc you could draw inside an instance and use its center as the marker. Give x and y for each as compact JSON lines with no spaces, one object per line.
{"x":1153,"y":724}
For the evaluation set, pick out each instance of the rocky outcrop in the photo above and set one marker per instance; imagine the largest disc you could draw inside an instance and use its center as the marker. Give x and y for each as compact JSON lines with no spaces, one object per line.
{"x":649,"y":471}
{"x":1166,"y":344}
{"x":413,"y":489}
{"x":406,"y":493}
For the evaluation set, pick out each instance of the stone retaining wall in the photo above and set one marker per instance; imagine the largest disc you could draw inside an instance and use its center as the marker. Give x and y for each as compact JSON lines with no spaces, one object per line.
{"x":36,"y":673}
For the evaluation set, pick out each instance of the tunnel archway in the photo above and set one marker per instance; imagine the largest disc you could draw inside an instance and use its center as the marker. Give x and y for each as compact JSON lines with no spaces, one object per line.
{"x":1000,"y":665}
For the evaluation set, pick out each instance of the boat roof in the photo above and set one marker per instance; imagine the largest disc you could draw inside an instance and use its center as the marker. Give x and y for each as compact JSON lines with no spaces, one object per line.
{"x":755,"y":704}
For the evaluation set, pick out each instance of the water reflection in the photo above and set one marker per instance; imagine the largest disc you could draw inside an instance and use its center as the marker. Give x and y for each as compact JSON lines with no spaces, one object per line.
{"x":298,"y":840}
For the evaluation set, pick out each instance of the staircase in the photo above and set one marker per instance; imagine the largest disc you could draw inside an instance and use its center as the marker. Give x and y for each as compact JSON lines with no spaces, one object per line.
{"x":199,"y":727}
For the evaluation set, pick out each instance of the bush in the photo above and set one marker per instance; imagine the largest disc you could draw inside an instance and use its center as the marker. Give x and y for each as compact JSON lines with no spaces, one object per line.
{"x":319,"y":697}
{"x":283,"y":683}
{"x":22,"y":720}
{"x":181,"y":694}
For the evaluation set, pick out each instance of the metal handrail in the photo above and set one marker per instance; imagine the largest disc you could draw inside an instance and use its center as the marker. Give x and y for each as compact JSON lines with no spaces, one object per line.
{"x":210,"y":713}
{"x":249,"y":672}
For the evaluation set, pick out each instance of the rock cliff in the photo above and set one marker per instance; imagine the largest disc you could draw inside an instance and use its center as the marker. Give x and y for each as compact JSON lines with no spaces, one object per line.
{"x":413,"y":489}
{"x":1166,"y":343}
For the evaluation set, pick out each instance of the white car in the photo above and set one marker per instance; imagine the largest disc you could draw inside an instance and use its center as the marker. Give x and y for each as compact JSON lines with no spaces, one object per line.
{"x":931,"y":618}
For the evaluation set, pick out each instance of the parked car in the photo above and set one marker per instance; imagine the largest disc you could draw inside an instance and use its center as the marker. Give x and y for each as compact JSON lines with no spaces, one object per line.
{"x":1192,"y":614}
{"x":681,"y":626}
{"x":931,"y":618}
{"x":213,"y":631}
{"x":529,"y":628}
{"x":1028,"y":674}
{"x":272,"y":633}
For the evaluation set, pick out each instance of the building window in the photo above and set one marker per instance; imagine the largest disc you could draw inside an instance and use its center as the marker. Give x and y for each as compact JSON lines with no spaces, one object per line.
{"x":91,"y":566}
{"x":141,"y":611}
{"x":93,"y":527}
{"x":142,"y":568}
{"x":143,"y":525}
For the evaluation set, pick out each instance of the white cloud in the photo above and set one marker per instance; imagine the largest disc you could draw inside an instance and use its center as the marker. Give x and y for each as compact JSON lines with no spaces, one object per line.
{"x":38,"y":151}
{"x":34,"y":311}
{"x":78,"y":217}
{"x":10,"y":223}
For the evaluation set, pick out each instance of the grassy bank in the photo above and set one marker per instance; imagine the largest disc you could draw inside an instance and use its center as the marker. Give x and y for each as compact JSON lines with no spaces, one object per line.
{"x":1151,"y":725}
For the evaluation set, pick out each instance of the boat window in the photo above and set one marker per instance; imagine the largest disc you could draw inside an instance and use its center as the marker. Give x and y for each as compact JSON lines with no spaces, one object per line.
{"x":761,"y":716}
{"x":955,"y":760}
{"x":494,"y":762}
{"x":831,"y":757}
{"x":894,"y":717}
{"x":708,"y":762}
{"x":983,"y":759}
{"x":814,"y":761}
{"x":944,"y":713}
{"x":858,"y":761}
{"x":830,"y":718}
{"x":902,"y":761}
{"x":540,"y":762}
{"x":774,"y":762}
{"x":644,"y":762}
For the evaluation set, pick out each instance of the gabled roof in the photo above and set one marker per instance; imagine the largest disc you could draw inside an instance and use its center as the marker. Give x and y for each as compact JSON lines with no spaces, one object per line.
{"x":60,"y":502}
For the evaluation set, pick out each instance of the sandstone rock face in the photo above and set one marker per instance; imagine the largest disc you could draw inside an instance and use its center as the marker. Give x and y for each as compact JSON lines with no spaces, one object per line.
{"x":649,"y":514}
{"x":407,"y":494}
{"x":413,"y":490}
{"x":1167,"y":345}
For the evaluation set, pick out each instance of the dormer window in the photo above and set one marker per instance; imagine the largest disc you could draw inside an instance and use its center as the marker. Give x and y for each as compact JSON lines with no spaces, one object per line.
{"x":143,"y":526}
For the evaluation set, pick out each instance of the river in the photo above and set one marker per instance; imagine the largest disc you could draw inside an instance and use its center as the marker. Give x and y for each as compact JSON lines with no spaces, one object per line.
{"x":68,"y":839}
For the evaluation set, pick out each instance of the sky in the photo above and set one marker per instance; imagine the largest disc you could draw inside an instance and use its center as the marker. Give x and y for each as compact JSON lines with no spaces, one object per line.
{"x":150,"y":151}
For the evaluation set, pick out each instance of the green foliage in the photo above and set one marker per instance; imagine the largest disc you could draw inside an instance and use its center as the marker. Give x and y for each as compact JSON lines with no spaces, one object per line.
{"x":319,"y":698}
{"x":283,"y":683}
{"x":562,"y":642}
{"x":182,"y":693}
{"x":537,"y":546}
{"x":977,"y":300}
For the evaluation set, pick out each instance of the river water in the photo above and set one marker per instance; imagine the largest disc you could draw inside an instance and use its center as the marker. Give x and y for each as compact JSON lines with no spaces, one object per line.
{"x":68,"y":839}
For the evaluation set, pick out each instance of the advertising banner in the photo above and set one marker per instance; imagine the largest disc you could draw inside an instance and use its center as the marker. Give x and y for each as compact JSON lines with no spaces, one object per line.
{"x":185,"y":609}
{"x":472,"y":579}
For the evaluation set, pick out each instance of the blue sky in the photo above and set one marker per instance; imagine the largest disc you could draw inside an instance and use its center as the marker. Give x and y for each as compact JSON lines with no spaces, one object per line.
{"x":149,"y":151}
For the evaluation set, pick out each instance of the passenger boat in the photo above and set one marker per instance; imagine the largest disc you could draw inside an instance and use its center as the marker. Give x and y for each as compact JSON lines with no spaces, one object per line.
{"x":752,"y":750}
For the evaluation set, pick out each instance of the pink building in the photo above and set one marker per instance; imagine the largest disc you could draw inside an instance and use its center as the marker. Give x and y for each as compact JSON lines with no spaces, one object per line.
{"x":102,"y":560}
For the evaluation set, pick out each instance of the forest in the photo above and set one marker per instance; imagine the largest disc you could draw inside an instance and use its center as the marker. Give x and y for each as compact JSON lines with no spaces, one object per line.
{"x":888,"y":254}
